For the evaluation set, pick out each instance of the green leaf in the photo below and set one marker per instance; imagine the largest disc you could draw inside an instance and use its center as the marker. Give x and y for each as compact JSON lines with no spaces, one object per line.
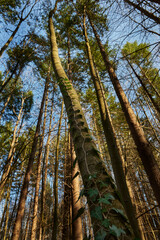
{"x":116,"y":231}
{"x":77,"y":173}
{"x":97,"y":213}
{"x":80,"y":212}
{"x":82,"y":193}
{"x":120,"y":211}
{"x":106,"y":223}
{"x":102,"y":184}
{"x":74,"y":163}
{"x":92,"y":176}
{"x":92,"y":192}
{"x":100,"y":235}
{"x":107,"y":198}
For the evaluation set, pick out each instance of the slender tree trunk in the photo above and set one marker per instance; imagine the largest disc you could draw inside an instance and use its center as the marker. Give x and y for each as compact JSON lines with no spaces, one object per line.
{"x":91,"y":166}
{"x":112,"y":142}
{"x":145,"y":88}
{"x":35,"y":209}
{"x":4,"y":214}
{"x":22,"y":19}
{"x":149,"y":81}
{"x":143,"y":147}
{"x":11,"y":153}
{"x":44,"y":177}
{"x":5,"y":105}
{"x":77,"y":233}
{"x":67,"y":188}
{"x":7,"y":218}
{"x":55,"y":214}
{"x":10,"y":77}
{"x":144,"y":11}
{"x":28,"y":218}
{"x":11,"y":38}
{"x":24,"y":190}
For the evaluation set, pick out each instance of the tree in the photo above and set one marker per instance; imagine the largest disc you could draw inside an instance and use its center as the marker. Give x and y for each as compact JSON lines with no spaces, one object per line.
{"x":21,"y":19}
{"x":89,"y":160}
{"x":24,"y":190}
{"x":112,"y":142}
{"x":144,"y":150}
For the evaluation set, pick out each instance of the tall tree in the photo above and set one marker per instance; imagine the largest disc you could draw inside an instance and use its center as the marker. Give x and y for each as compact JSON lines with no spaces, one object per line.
{"x":90,"y":163}
{"x":143,"y":147}
{"x":55,"y":211}
{"x":112,"y":142}
{"x":24,"y":190}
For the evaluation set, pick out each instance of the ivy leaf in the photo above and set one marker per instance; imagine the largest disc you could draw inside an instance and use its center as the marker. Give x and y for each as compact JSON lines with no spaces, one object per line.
{"x":92,"y":192}
{"x":100,"y":235}
{"x":77,"y":173}
{"x":82,"y":193}
{"x":116,"y":231}
{"x":74,"y":163}
{"x":80,"y":212}
{"x":120,"y":211}
{"x":97,"y":213}
{"x":92,"y":176}
{"x":107,"y":198}
{"x":102,"y":184}
{"x":105,"y":223}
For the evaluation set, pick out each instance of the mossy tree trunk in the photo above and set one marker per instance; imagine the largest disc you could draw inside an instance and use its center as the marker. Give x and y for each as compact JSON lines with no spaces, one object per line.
{"x":98,"y":183}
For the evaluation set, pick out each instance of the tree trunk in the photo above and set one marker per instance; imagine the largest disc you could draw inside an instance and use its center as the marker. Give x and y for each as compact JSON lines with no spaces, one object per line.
{"x":28,"y":218}
{"x":55,"y":214}
{"x":112,"y":141}
{"x":143,"y":147}
{"x":144,"y":11}
{"x":11,"y":152}
{"x":5,"y":105}
{"x":93,"y":171}
{"x":35,"y":209}
{"x":67,"y":187}
{"x":11,"y":38}
{"x":44,"y":177}
{"x":24,"y":190}
{"x":77,"y":233}
{"x":145,"y":88}
{"x":7,"y":218}
{"x":11,"y":76}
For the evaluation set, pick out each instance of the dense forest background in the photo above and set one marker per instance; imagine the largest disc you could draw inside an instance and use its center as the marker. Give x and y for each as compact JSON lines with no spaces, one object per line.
{"x":79,"y":119}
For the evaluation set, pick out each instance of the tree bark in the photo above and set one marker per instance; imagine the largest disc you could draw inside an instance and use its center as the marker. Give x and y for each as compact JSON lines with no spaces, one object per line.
{"x":55,"y":214}
{"x":67,"y":188}
{"x":91,"y":166}
{"x":76,"y":204}
{"x":150,"y":165}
